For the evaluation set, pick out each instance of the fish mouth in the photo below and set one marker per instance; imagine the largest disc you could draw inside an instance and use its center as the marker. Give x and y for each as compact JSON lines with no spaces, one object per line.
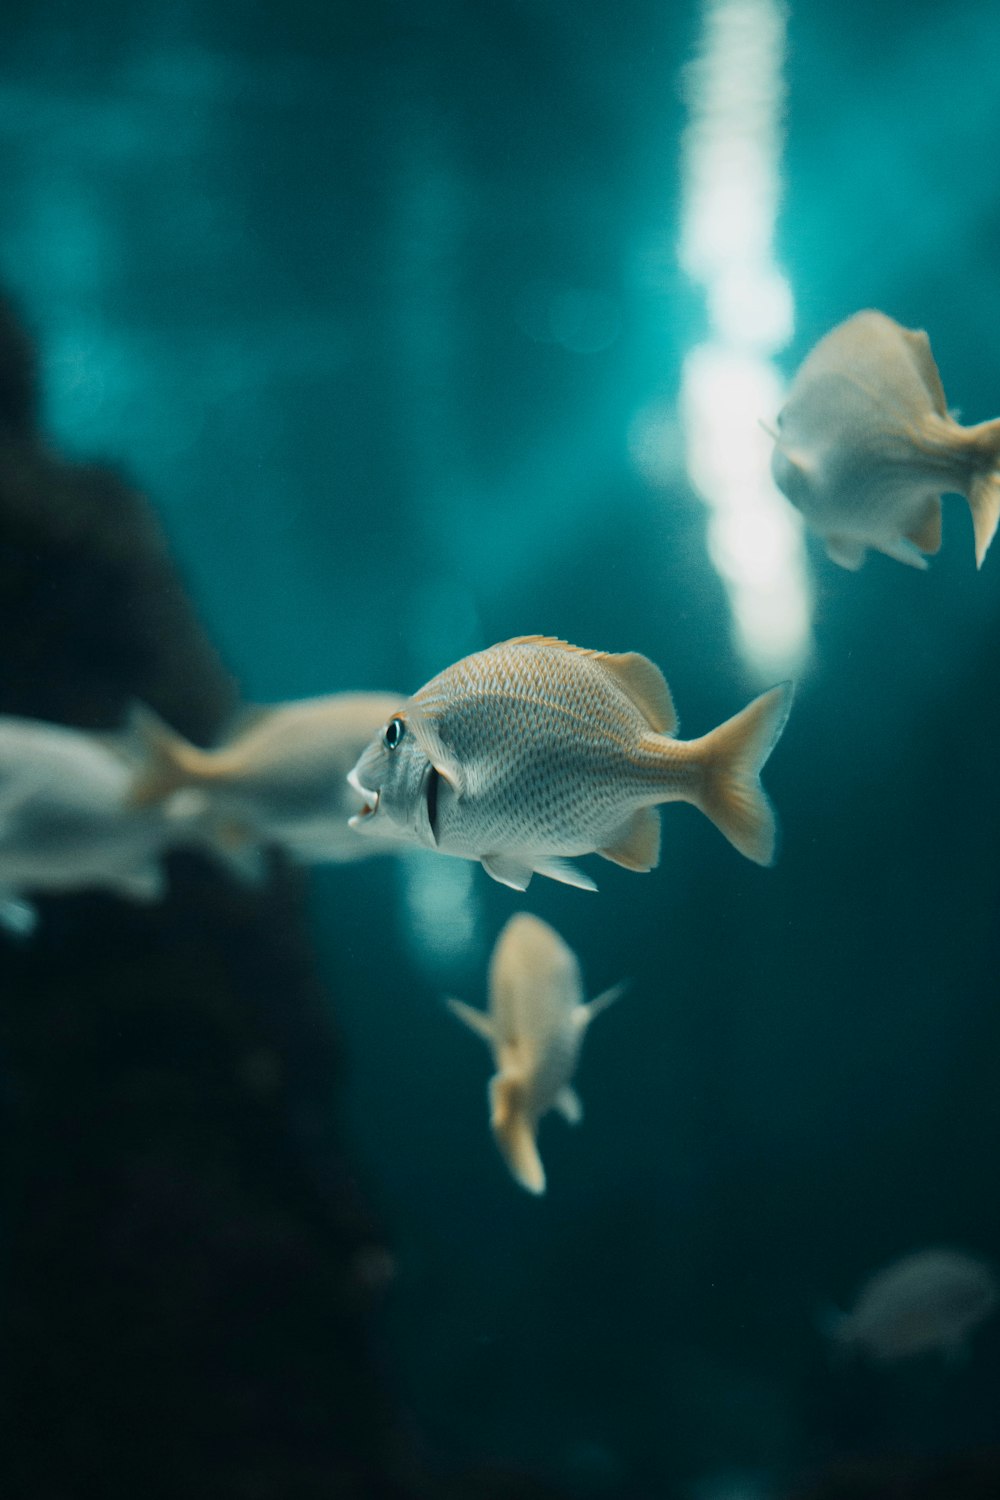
{"x":369,"y":798}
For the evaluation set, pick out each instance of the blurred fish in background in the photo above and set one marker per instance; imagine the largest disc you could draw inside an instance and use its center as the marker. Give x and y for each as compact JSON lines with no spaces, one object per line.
{"x":535,"y":1026}
{"x":866,"y":446}
{"x":932,"y":1300}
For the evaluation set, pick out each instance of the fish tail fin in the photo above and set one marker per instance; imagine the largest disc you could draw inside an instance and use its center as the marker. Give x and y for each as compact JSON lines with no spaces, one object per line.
{"x":731,"y":759}
{"x":515,"y":1135}
{"x":984,"y":487}
{"x":167,"y":761}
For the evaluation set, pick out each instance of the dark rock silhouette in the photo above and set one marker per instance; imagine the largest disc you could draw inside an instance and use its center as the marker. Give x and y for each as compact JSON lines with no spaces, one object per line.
{"x":188,"y":1266}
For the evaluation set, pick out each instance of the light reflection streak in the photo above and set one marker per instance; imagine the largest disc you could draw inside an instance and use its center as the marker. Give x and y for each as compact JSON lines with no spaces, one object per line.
{"x":731,"y":153}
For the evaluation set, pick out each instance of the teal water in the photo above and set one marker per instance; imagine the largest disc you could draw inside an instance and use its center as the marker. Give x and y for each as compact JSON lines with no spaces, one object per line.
{"x":294,"y":271}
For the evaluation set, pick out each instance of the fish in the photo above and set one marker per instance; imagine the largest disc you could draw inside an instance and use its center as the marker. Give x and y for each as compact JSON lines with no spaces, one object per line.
{"x":66,"y":824}
{"x":931,"y":1300}
{"x":535,"y":1025}
{"x":866,"y":446}
{"x":533,"y":751}
{"x":281,"y":778}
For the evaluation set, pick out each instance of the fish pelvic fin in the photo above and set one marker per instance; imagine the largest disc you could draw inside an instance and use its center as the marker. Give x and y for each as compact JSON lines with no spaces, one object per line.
{"x":584,"y":1014}
{"x":984,"y":488}
{"x":515,"y":1134}
{"x":168,"y":761}
{"x":731,"y":760}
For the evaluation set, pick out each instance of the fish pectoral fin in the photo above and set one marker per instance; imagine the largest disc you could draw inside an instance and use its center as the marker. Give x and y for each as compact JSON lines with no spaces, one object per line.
{"x":584,"y":1014}
{"x":18,"y":917}
{"x":144,"y":884}
{"x":427,"y":737}
{"x":476,"y":1020}
{"x":508,"y":869}
{"x":637,"y":844}
{"x":903,"y":551}
{"x":567,"y":1102}
{"x":926,"y":533}
{"x":645,"y":685}
{"x":845,"y":552}
{"x":565,"y":872}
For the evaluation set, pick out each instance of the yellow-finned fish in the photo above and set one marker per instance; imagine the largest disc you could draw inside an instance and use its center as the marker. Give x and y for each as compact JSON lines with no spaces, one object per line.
{"x":866,"y":446}
{"x":534,"y":750}
{"x":535,"y":1027}
{"x":281,"y":779}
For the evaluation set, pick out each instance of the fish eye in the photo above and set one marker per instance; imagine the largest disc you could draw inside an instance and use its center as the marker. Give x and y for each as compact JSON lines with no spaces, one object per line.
{"x":394,"y":731}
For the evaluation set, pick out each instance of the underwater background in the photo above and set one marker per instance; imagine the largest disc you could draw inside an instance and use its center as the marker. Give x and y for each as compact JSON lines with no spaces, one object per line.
{"x":401,"y":320}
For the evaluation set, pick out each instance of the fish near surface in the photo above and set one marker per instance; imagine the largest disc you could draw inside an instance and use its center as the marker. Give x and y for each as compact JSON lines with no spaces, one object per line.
{"x":535,"y":1027}
{"x":931,"y":1300}
{"x":65,"y":820}
{"x":866,"y":446}
{"x":535,"y":750}
{"x":281,"y":779}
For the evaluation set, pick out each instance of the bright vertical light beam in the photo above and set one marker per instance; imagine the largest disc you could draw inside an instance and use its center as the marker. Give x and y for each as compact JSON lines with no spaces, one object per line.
{"x":731,"y":190}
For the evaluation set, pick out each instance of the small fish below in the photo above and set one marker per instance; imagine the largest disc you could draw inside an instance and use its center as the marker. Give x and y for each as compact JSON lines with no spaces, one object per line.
{"x":280,"y":779}
{"x":66,"y":824}
{"x":534,"y":751}
{"x":535,"y":1025}
{"x":930,"y":1301}
{"x":866,"y":446}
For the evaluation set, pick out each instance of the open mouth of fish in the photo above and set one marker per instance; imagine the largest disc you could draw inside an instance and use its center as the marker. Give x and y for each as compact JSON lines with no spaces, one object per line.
{"x":369,"y":798}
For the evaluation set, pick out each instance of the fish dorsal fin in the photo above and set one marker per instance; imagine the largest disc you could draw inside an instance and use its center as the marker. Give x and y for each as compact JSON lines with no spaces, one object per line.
{"x":926,"y":534}
{"x":426,"y":734}
{"x":920,"y":348}
{"x":645,"y":684}
{"x":550,"y":640}
{"x":637,"y":676}
{"x":637,"y":846}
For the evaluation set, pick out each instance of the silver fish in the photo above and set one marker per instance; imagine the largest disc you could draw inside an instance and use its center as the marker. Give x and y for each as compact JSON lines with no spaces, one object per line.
{"x":65,"y":820}
{"x":535,"y":1027}
{"x":866,"y":446}
{"x":535,"y":750}
{"x":280,"y":779}
{"x":931,"y":1300}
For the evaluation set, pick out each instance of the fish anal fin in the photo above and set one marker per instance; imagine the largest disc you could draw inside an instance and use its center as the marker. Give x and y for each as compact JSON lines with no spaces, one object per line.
{"x":567,"y":1102}
{"x":637,"y":846}
{"x":646,"y":686}
{"x":926,"y":533}
{"x":565,"y":872}
{"x":920,"y":347}
{"x":845,"y":552}
{"x":476,"y":1020}
{"x":511,"y":870}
